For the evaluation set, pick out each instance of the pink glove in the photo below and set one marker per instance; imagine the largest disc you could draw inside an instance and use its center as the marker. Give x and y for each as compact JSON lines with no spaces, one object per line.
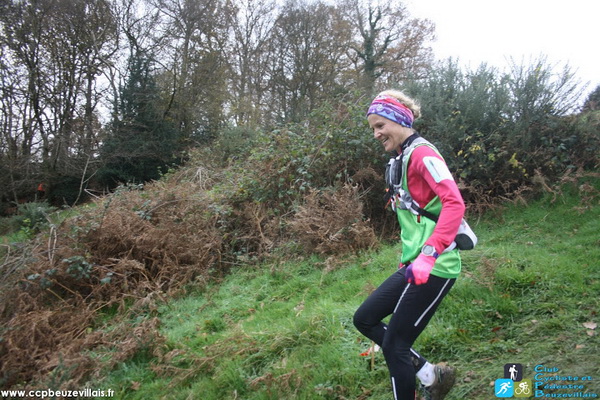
{"x":418,"y":271}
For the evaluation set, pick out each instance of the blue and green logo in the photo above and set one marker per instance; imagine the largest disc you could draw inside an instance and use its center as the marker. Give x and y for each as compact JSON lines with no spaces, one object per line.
{"x":547,"y":381}
{"x":513,"y":384}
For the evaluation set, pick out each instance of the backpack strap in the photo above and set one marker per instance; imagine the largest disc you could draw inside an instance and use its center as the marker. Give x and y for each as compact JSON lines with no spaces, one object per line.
{"x":407,"y":149}
{"x":423,"y":212}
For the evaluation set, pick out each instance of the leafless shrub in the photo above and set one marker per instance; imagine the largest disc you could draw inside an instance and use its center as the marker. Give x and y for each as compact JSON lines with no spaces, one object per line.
{"x":132,"y":245}
{"x":332,"y":222}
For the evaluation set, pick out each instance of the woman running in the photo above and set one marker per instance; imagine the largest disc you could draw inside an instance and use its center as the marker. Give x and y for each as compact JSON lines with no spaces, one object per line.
{"x":419,"y":184}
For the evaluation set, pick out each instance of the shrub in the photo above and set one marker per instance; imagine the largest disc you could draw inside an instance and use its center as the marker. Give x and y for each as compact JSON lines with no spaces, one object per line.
{"x":331,"y":222}
{"x":135,"y":244}
{"x":31,"y":217}
{"x":496,"y":129}
{"x":334,"y":147}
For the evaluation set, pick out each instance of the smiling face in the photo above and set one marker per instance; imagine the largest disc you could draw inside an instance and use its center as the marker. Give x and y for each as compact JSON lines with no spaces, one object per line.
{"x":390,"y":134}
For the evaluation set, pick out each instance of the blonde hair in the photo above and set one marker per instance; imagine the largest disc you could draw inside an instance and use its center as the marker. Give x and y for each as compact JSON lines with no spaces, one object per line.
{"x":404,"y":99}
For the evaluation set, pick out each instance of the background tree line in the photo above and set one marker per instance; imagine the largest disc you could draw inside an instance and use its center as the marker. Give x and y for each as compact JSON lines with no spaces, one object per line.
{"x":101,"y":92}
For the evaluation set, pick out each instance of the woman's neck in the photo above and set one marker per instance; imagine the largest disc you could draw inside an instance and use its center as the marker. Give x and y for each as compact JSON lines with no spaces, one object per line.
{"x":408,"y":139}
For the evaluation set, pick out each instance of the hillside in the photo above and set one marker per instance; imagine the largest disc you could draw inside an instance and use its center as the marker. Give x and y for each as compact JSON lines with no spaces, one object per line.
{"x":165,"y":292}
{"x":529,"y":294}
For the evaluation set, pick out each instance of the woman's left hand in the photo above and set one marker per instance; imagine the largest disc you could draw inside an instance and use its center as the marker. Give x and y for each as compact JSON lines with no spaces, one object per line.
{"x":419,"y":270}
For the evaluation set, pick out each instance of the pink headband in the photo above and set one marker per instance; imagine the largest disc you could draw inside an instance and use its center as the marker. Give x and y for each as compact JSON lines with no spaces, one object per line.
{"x":390,"y":108}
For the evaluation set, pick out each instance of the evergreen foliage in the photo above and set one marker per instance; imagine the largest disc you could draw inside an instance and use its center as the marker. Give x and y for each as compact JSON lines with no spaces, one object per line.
{"x":499,"y":130}
{"x":593,"y":101}
{"x":333,"y":147}
{"x":142,"y":144}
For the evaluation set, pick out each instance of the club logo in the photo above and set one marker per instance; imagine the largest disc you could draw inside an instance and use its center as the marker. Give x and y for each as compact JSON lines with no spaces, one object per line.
{"x":544,"y":381}
{"x":504,"y":388}
{"x":513,"y":372}
{"x":513,"y":384}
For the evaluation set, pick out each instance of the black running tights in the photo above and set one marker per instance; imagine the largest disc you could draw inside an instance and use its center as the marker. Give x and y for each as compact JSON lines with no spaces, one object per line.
{"x":411,"y":307}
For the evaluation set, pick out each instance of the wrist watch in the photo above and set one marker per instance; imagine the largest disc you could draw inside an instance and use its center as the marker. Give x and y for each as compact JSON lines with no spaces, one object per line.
{"x":429,"y":250}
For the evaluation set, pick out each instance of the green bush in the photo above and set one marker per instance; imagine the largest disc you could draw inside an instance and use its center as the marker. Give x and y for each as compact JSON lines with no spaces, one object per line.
{"x":497,"y":130}
{"x":233,"y":143}
{"x":32,"y":217}
{"x":334,"y":146}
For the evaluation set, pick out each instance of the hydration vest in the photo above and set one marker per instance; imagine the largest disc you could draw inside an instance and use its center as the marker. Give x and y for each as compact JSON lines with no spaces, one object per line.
{"x":401,"y":199}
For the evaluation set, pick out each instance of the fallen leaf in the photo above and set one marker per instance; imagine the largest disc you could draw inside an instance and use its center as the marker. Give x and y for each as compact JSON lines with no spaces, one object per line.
{"x":299,"y":308}
{"x":591,"y":333}
{"x":580,"y":346}
{"x":590,"y":325}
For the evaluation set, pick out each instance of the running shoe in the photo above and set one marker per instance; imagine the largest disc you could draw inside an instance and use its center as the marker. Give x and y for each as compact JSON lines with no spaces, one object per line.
{"x":444,"y":380}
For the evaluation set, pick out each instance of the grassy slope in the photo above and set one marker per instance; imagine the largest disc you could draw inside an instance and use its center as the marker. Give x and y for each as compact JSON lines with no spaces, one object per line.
{"x":284,"y":331}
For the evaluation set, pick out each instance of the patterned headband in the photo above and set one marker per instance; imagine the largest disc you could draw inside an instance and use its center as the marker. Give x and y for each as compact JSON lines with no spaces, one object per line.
{"x":390,"y":108}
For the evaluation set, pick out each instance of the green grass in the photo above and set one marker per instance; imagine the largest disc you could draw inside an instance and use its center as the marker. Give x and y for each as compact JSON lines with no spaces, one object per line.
{"x":284,"y":331}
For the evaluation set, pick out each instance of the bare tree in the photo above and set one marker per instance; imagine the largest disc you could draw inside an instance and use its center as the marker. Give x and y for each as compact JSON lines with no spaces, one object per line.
{"x":306,"y":56}
{"x":388,"y":45}
{"x":195,"y":37}
{"x":252,"y":63}
{"x":55,"y":47}
{"x":251,"y":34}
{"x":83,"y":36}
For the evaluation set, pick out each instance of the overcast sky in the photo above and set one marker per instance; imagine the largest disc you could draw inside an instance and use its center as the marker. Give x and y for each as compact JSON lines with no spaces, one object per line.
{"x":476,"y":31}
